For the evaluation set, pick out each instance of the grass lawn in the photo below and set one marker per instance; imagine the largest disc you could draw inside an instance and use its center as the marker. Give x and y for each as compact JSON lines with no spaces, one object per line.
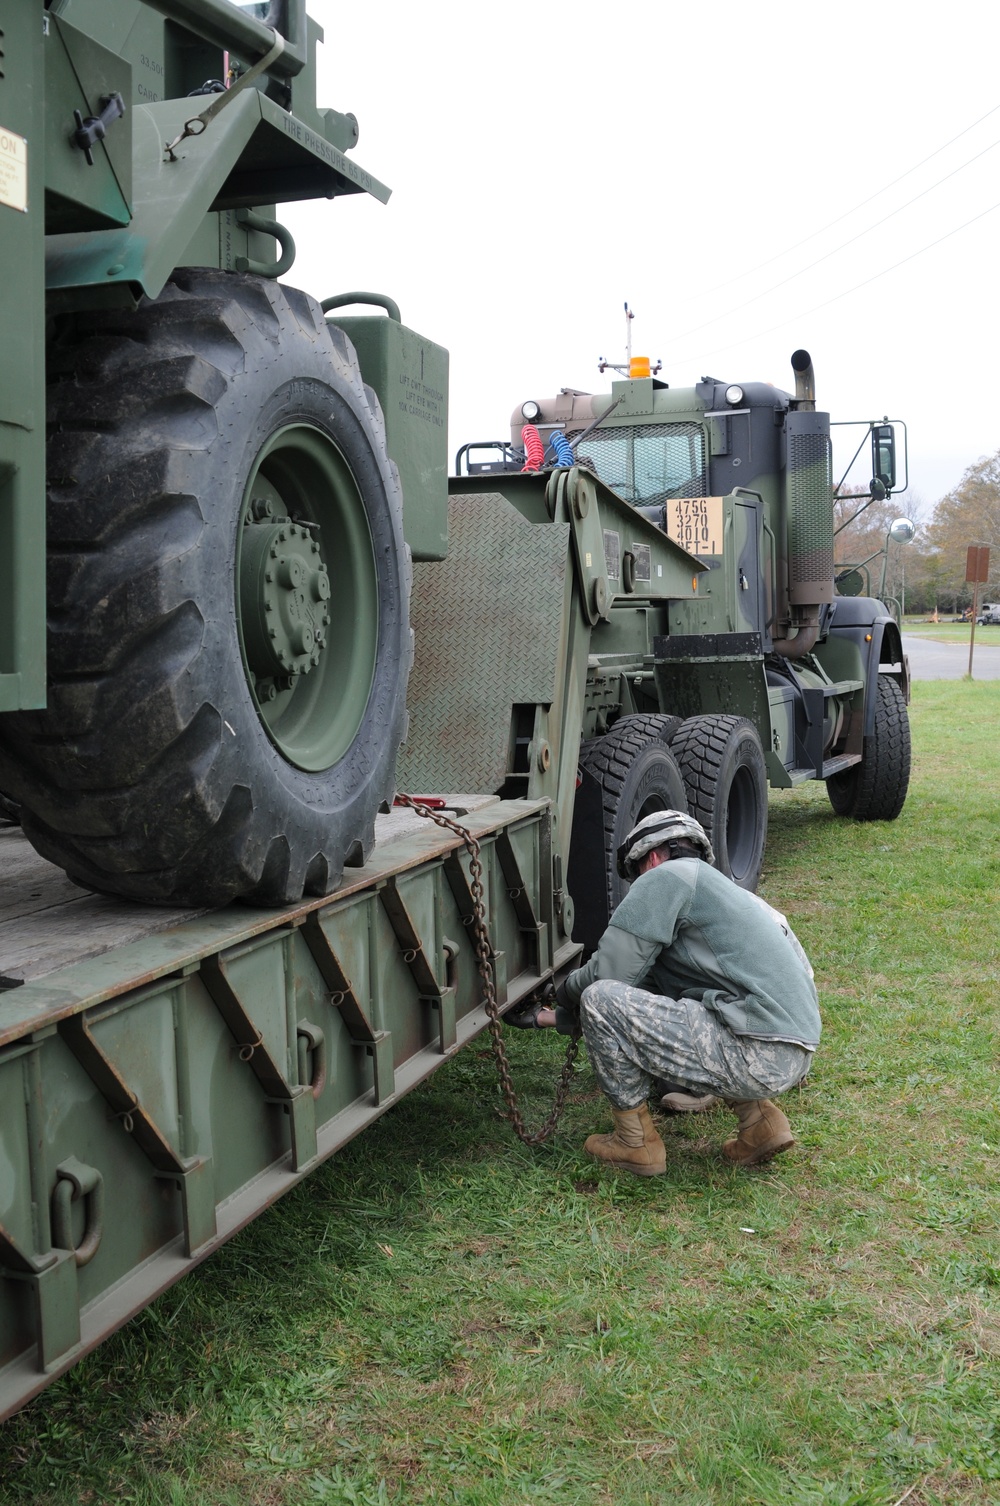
{"x":945,"y":631}
{"x":439,"y":1315}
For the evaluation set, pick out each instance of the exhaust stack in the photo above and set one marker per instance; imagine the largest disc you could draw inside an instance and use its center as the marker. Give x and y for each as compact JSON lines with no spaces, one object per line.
{"x":808,"y":514}
{"x":805,"y":381}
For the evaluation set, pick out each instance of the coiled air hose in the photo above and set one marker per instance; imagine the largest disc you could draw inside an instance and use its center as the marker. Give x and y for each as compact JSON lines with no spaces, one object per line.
{"x":534,"y":450}
{"x":563,"y":449}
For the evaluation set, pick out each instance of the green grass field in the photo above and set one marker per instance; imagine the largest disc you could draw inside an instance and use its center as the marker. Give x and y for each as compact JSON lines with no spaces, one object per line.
{"x":440,"y":1315}
{"x":945,"y":631}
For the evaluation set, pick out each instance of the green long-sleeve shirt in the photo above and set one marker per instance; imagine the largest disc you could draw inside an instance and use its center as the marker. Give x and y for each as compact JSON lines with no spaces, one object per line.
{"x":687,"y":931}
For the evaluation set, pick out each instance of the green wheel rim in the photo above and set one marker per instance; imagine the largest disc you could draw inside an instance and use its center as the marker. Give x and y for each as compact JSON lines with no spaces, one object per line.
{"x":306,"y":596}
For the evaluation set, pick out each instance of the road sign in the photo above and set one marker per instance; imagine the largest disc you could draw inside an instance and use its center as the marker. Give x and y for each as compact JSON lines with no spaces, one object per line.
{"x":977,"y":565}
{"x":977,"y":573}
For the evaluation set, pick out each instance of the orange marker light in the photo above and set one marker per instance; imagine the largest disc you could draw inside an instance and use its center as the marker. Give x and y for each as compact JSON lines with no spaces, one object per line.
{"x":694,"y":583}
{"x":639,"y":366}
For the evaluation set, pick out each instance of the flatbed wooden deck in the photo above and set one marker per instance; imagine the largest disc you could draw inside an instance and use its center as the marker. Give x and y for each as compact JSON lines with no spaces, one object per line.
{"x":48,"y":922}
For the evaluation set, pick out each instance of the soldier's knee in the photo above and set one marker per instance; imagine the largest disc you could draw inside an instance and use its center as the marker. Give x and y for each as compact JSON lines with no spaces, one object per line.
{"x":599,"y":1000}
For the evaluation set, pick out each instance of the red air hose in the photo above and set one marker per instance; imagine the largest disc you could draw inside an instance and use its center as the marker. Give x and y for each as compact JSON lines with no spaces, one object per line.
{"x":534,"y":450}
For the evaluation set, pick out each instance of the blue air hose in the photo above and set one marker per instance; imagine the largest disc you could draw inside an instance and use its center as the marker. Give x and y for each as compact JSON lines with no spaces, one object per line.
{"x":563,"y":449}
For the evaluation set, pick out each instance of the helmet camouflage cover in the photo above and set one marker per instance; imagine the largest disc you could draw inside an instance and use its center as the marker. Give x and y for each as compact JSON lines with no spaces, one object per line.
{"x":658,"y":830}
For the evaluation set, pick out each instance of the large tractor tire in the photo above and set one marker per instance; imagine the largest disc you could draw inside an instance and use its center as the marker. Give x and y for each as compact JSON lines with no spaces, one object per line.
{"x":228,"y":593}
{"x":625,"y":776}
{"x":875,"y":789}
{"x":725,"y":776}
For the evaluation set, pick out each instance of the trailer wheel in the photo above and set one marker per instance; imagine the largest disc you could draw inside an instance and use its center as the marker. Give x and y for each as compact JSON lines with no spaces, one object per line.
{"x":875,"y":789}
{"x":722,"y":762}
{"x":636,"y":774}
{"x":228,"y":584}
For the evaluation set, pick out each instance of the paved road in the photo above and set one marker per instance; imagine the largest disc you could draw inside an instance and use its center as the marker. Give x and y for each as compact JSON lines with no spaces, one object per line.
{"x":950,"y":661}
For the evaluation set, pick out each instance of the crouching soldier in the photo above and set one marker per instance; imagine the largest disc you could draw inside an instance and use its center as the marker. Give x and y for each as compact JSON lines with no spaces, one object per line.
{"x":696,"y":981}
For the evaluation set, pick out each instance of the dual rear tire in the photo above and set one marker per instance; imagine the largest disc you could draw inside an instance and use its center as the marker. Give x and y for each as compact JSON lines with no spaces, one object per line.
{"x":709,"y":766}
{"x":722,"y":763}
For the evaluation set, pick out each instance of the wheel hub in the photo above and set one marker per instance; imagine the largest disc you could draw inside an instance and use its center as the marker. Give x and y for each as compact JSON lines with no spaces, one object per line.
{"x":284,"y":600}
{"x":303,"y":522}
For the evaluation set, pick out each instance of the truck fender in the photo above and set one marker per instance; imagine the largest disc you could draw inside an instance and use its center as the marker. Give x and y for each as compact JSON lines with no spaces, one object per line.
{"x":867,"y":623}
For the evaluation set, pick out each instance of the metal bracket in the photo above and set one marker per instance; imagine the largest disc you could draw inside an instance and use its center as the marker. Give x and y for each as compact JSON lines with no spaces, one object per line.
{"x":196,"y":1186}
{"x":244,"y":1030}
{"x":445,"y":1001}
{"x":298,"y":1102}
{"x":384,"y":1068}
{"x":410,"y":943}
{"x":301,"y":1111}
{"x":527,"y":920}
{"x":571,"y":497}
{"x":192,"y":1176}
{"x":462,"y":894}
{"x":57,"y":1307}
{"x":377,"y":1043}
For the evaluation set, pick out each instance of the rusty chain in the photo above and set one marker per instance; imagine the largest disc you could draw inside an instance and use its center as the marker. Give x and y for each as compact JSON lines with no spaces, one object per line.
{"x":484,"y":961}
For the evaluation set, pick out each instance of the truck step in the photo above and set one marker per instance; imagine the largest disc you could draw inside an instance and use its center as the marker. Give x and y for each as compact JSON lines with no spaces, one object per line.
{"x":837,"y":765}
{"x":830,"y":767}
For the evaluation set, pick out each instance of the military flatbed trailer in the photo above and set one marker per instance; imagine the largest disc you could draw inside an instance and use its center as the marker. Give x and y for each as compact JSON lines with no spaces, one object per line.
{"x":168,"y":1074}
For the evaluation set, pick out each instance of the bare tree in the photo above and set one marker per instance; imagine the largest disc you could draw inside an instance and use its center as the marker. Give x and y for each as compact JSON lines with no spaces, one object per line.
{"x":862,"y":527}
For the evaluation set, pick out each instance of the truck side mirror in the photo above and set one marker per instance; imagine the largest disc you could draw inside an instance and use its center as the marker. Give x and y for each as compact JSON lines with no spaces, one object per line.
{"x":883,"y":459}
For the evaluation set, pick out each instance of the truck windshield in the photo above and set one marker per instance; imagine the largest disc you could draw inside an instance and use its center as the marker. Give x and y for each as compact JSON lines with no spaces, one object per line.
{"x":650,"y":462}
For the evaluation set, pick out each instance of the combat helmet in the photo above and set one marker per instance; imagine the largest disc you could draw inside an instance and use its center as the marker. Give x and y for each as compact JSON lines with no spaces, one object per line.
{"x":659,"y":830}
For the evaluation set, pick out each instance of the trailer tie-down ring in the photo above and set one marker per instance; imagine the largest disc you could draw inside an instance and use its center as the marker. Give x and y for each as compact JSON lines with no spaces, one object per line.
{"x":75,"y":1183}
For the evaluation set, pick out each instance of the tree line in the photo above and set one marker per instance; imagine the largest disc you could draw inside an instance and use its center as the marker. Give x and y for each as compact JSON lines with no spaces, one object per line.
{"x":928,"y":573}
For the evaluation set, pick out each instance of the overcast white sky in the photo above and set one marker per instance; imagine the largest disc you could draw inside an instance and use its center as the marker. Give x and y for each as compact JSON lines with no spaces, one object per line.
{"x":549,"y":162}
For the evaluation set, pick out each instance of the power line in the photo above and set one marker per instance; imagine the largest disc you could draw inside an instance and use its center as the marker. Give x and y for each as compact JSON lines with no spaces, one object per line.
{"x":848,"y":212}
{"x":843,"y":246}
{"x":804,"y":314}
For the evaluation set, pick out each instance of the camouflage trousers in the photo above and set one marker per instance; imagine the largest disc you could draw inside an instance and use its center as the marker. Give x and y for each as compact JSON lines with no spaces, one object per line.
{"x":633,"y":1037}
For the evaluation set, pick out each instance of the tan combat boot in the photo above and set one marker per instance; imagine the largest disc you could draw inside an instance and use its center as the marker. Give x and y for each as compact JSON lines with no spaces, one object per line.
{"x":689,"y":1103}
{"x":633,"y":1145}
{"x":763,"y":1132}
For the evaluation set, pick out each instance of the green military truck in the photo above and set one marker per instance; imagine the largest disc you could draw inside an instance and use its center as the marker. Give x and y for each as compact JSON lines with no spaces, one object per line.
{"x":225,"y":538}
{"x":763,"y":674}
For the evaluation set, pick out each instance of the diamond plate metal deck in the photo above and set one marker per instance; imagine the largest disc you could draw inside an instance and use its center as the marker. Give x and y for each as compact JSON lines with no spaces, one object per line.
{"x":489,"y":623}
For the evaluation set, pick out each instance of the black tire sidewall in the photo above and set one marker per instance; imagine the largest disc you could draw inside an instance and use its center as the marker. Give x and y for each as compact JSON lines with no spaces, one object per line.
{"x":745,"y":801}
{"x":718,"y":795}
{"x":652,"y":772}
{"x":876,"y":788}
